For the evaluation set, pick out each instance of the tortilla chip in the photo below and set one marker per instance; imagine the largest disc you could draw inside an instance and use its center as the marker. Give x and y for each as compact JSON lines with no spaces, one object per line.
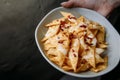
{"x":101,"y":35}
{"x":48,"y":46}
{"x":98,"y":59}
{"x":51,"y":42}
{"x":52,"y":51}
{"x":102,"y":45}
{"x":56,"y":56}
{"x":99,"y":50}
{"x":94,"y":32}
{"x":80,"y":19}
{"x":61,"y":58}
{"x":101,"y":67}
{"x":75,"y":44}
{"x":90,"y":57}
{"x":73,"y":53}
{"x":67,"y":68}
{"x":82,"y":66}
{"x":82,"y":42}
{"x":51,"y":32}
{"x":55,"y":22}
{"x":66,"y":14}
{"x":63,"y":43}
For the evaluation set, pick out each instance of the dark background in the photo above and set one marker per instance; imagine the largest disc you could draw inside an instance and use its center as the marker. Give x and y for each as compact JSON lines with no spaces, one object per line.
{"x":20,"y":58}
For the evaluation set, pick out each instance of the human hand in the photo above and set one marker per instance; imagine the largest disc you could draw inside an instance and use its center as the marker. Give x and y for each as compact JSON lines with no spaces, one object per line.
{"x":104,"y":7}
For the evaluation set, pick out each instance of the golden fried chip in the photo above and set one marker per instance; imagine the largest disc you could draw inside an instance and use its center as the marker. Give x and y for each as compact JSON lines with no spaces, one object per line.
{"x":101,"y":67}
{"x":48,"y":46}
{"x":90,"y":56}
{"x":102,"y":45}
{"x":69,"y":17}
{"x":99,"y":50}
{"x":63,"y":43}
{"x":73,"y":53}
{"x":80,"y":19}
{"x":94,"y":31}
{"x":98,"y":59}
{"x":51,"y":32}
{"x":82,"y":42}
{"x":51,"y":43}
{"x":101,"y":35}
{"x":61,"y":58}
{"x":67,"y":68}
{"x":52,"y":51}
{"x":55,"y":22}
{"x":57,"y":56}
{"x":82,"y":66}
{"x":66,"y":14}
{"x":75,"y":44}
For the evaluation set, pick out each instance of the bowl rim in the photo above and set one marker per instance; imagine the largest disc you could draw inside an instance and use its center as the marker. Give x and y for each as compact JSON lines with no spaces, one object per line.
{"x":61,"y":70}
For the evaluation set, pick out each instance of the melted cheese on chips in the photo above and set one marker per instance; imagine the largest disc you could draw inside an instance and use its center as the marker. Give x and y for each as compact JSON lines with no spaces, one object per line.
{"x":76,"y":44}
{"x":62,"y":49}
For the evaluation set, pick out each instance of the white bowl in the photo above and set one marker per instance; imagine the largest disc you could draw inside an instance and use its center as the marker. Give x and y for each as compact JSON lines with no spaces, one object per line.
{"x":113,"y":38}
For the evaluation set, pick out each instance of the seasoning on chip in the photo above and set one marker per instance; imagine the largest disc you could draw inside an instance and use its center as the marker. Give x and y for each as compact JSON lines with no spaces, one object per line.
{"x":76,"y":44}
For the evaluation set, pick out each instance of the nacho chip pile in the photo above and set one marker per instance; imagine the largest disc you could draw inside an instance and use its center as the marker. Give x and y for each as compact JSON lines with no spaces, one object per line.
{"x":76,"y":44}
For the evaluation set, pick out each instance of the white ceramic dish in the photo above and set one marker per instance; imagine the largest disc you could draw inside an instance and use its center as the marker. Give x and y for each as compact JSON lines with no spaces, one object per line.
{"x":113,"y":38}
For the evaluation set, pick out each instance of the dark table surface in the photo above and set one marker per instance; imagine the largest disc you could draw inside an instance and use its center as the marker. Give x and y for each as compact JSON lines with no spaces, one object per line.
{"x":20,"y":58}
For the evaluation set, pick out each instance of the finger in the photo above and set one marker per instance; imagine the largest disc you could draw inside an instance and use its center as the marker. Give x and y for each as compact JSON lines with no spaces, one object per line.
{"x":67,"y":4}
{"x":73,"y":3}
{"x":104,"y":12}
